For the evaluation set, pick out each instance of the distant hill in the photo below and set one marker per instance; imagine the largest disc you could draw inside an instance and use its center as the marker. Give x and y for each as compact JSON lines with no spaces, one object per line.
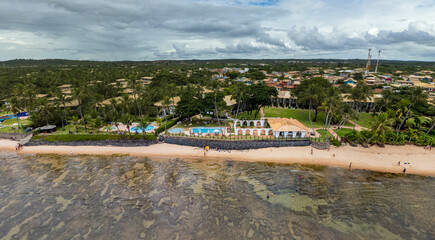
{"x":312,"y":62}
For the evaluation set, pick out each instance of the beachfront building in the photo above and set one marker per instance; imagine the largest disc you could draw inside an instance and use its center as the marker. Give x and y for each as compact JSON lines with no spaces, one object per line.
{"x":287,"y":128}
{"x":284,"y":99}
{"x":277,"y":127}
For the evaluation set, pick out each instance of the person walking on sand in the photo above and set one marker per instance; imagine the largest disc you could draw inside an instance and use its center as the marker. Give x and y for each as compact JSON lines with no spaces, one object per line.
{"x":350,"y":166}
{"x":404,"y":170}
{"x":311,"y":151}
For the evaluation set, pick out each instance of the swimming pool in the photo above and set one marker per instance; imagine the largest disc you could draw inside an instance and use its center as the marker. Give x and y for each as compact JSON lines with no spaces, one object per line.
{"x":139,"y":129}
{"x":176,"y":130}
{"x":206,"y":130}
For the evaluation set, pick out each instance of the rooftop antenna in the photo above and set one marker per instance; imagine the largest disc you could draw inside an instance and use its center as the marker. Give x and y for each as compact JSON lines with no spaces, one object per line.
{"x":377,"y":62}
{"x":369,"y":58}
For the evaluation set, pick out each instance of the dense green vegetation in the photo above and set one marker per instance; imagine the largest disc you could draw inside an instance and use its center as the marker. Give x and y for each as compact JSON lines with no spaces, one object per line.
{"x":98,"y":98}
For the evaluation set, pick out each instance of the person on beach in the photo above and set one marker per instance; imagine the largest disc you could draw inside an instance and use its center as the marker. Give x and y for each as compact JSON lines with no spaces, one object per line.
{"x":404,"y":170}
{"x":16,"y":147}
{"x":350,"y":166}
{"x":311,"y":151}
{"x":398,"y":163}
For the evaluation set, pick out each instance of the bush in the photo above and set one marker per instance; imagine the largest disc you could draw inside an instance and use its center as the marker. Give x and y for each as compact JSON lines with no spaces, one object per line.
{"x":335,"y":142}
{"x":169,"y":124}
{"x":424,"y":140}
{"x":395,"y":138}
{"x":352,"y":136}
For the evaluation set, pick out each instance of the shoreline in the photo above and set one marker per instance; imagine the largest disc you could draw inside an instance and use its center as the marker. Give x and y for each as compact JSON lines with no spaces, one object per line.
{"x":422,"y":162}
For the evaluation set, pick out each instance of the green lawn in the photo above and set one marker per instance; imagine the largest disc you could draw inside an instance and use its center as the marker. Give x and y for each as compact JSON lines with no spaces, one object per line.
{"x":8,"y":125}
{"x":301,"y":115}
{"x":343,"y":131}
{"x":365,"y":120}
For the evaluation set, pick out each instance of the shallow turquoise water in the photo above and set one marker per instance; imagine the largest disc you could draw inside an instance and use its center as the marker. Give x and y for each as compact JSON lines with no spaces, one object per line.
{"x":206,"y":130}
{"x":94,"y":197}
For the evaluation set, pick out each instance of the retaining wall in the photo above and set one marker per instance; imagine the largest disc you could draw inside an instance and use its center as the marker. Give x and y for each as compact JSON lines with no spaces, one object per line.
{"x":117,"y":143}
{"x":16,"y":136}
{"x":235,"y":144}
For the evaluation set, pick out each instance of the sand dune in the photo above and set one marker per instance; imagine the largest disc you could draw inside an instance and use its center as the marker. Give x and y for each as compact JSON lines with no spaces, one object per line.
{"x":386,"y":159}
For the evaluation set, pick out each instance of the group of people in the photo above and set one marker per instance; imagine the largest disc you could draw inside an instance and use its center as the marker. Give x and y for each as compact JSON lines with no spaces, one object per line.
{"x":18,"y":146}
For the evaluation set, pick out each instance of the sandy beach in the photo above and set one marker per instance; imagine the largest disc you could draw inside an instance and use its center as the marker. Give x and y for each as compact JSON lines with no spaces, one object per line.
{"x":420,"y":161}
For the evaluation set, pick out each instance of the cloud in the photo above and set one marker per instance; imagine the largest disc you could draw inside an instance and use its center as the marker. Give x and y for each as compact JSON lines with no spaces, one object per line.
{"x":184,"y":29}
{"x":312,"y":39}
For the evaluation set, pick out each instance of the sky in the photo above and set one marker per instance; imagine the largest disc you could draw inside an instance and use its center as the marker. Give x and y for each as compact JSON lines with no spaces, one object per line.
{"x":113,"y":30}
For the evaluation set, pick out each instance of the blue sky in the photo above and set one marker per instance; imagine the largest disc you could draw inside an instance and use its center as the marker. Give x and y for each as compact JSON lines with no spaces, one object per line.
{"x":216,"y":29}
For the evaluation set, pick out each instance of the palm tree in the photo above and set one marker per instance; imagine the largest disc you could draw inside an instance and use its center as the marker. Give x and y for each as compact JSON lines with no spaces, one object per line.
{"x":97,"y":123}
{"x":127,"y":120}
{"x":75,"y":121}
{"x":381,"y":125}
{"x":44,"y":109}
{"x":166,"y":105}
{"x":359,"y":95}
{"x":417,"y":95}
{"x":431,"y":123}
{"x":137,"y":88}
{"x":15,"y":108}
{"x":310,"y":95}
{"x":125,"y":103}
{"x":80,"y":94}
{"x":143,"y":124}
{"x":412,"y":133}
{"x":330,"y":105}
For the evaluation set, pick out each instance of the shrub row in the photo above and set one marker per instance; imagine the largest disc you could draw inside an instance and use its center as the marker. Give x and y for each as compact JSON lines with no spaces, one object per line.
{"x":391,"y":137}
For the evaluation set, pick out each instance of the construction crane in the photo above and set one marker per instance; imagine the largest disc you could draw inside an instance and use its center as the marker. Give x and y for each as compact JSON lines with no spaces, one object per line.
{"x":369,"y":59}
{"x":377,"y":62}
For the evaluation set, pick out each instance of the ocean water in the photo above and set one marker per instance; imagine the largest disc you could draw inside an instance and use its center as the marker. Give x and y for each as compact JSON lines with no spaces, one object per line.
{"x":121,"y":197}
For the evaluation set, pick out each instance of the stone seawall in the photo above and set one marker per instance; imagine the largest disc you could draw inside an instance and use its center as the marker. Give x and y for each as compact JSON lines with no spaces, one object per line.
{"x":117,"y":143}
{"x":15,"y":136}
{"x":234,"y":144}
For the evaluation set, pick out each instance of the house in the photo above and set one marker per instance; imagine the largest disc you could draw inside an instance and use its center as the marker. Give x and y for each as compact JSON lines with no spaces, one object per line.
{"x":284,"y":127}
{"x":173,"y":104}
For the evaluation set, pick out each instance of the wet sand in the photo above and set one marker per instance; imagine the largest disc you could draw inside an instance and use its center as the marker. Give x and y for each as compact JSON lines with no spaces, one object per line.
{"x":386,"y":159}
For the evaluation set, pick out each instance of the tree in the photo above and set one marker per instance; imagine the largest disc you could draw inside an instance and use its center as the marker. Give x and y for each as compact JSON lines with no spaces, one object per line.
{"x":14,"y":106}
{"x":382,"y":124}
{"x":143,"y":124}
{"x":260,"y":96}
{"x":360,"y":94}
{"x":311,"y":94}
{"x":232,"y":75}
{"x":81,"y":94}
{"x":431,"y":123}
{"x":330,"y":105}
{"x":416,"y":95}
{"x":188,"y":106}
{"x":127,"y":120}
